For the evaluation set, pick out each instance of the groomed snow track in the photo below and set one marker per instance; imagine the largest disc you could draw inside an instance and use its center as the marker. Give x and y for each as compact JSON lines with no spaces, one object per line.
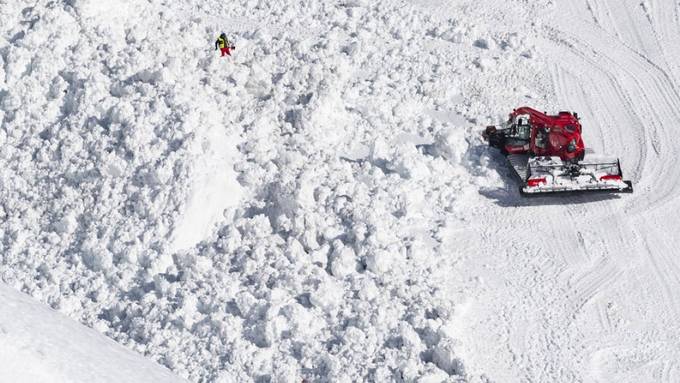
{"x":588,"y":288}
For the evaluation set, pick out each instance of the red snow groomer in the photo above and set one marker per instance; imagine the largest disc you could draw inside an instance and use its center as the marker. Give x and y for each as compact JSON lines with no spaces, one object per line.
{"x":548,"y":154}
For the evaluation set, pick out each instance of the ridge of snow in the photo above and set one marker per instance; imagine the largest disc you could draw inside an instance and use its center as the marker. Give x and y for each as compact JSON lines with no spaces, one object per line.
{"x":37,"y":344}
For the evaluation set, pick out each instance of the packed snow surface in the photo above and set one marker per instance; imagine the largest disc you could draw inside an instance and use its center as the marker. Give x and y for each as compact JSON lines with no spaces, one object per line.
{"x":37,"y":344}
{"x":321,"y":206}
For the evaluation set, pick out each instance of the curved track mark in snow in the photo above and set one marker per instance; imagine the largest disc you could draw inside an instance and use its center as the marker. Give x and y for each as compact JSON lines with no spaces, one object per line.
{"x":618,"y":74}
{"x":591,"y":292}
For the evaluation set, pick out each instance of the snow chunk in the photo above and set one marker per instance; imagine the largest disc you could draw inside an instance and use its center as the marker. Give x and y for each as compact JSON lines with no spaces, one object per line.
{"x":96,"y":256}
{"x":402,"y":158}
{"x":67,"y":224}
{"x":214,"y":189}
{"x":368,"y":290}
{"x":10,"y":101}
{"x":343,"y":261}
{"x":189,"y":311}
{"x":451,"y":144}
{"x":434,"y":376}
{"x":378,"y":261}
{"x":328,"y":296}
{"x":445,"y":357}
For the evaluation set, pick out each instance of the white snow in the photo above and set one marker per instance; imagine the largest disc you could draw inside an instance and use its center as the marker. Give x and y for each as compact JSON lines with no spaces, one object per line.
{"x":321,"y":206}
{"x":37,"y":344}
{"x":213,"y":190}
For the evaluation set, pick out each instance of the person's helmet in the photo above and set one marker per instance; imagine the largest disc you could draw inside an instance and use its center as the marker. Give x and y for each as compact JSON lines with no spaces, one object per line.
{"x":223,"y":35}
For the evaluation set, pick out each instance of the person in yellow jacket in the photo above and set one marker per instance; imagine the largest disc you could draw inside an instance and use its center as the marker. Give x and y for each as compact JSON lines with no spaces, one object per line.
{"x":224,"y":45}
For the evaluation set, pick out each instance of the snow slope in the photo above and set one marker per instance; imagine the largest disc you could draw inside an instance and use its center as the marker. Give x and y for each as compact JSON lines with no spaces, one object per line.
{"x":38,"y":344}
{"x":320,"y":205}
